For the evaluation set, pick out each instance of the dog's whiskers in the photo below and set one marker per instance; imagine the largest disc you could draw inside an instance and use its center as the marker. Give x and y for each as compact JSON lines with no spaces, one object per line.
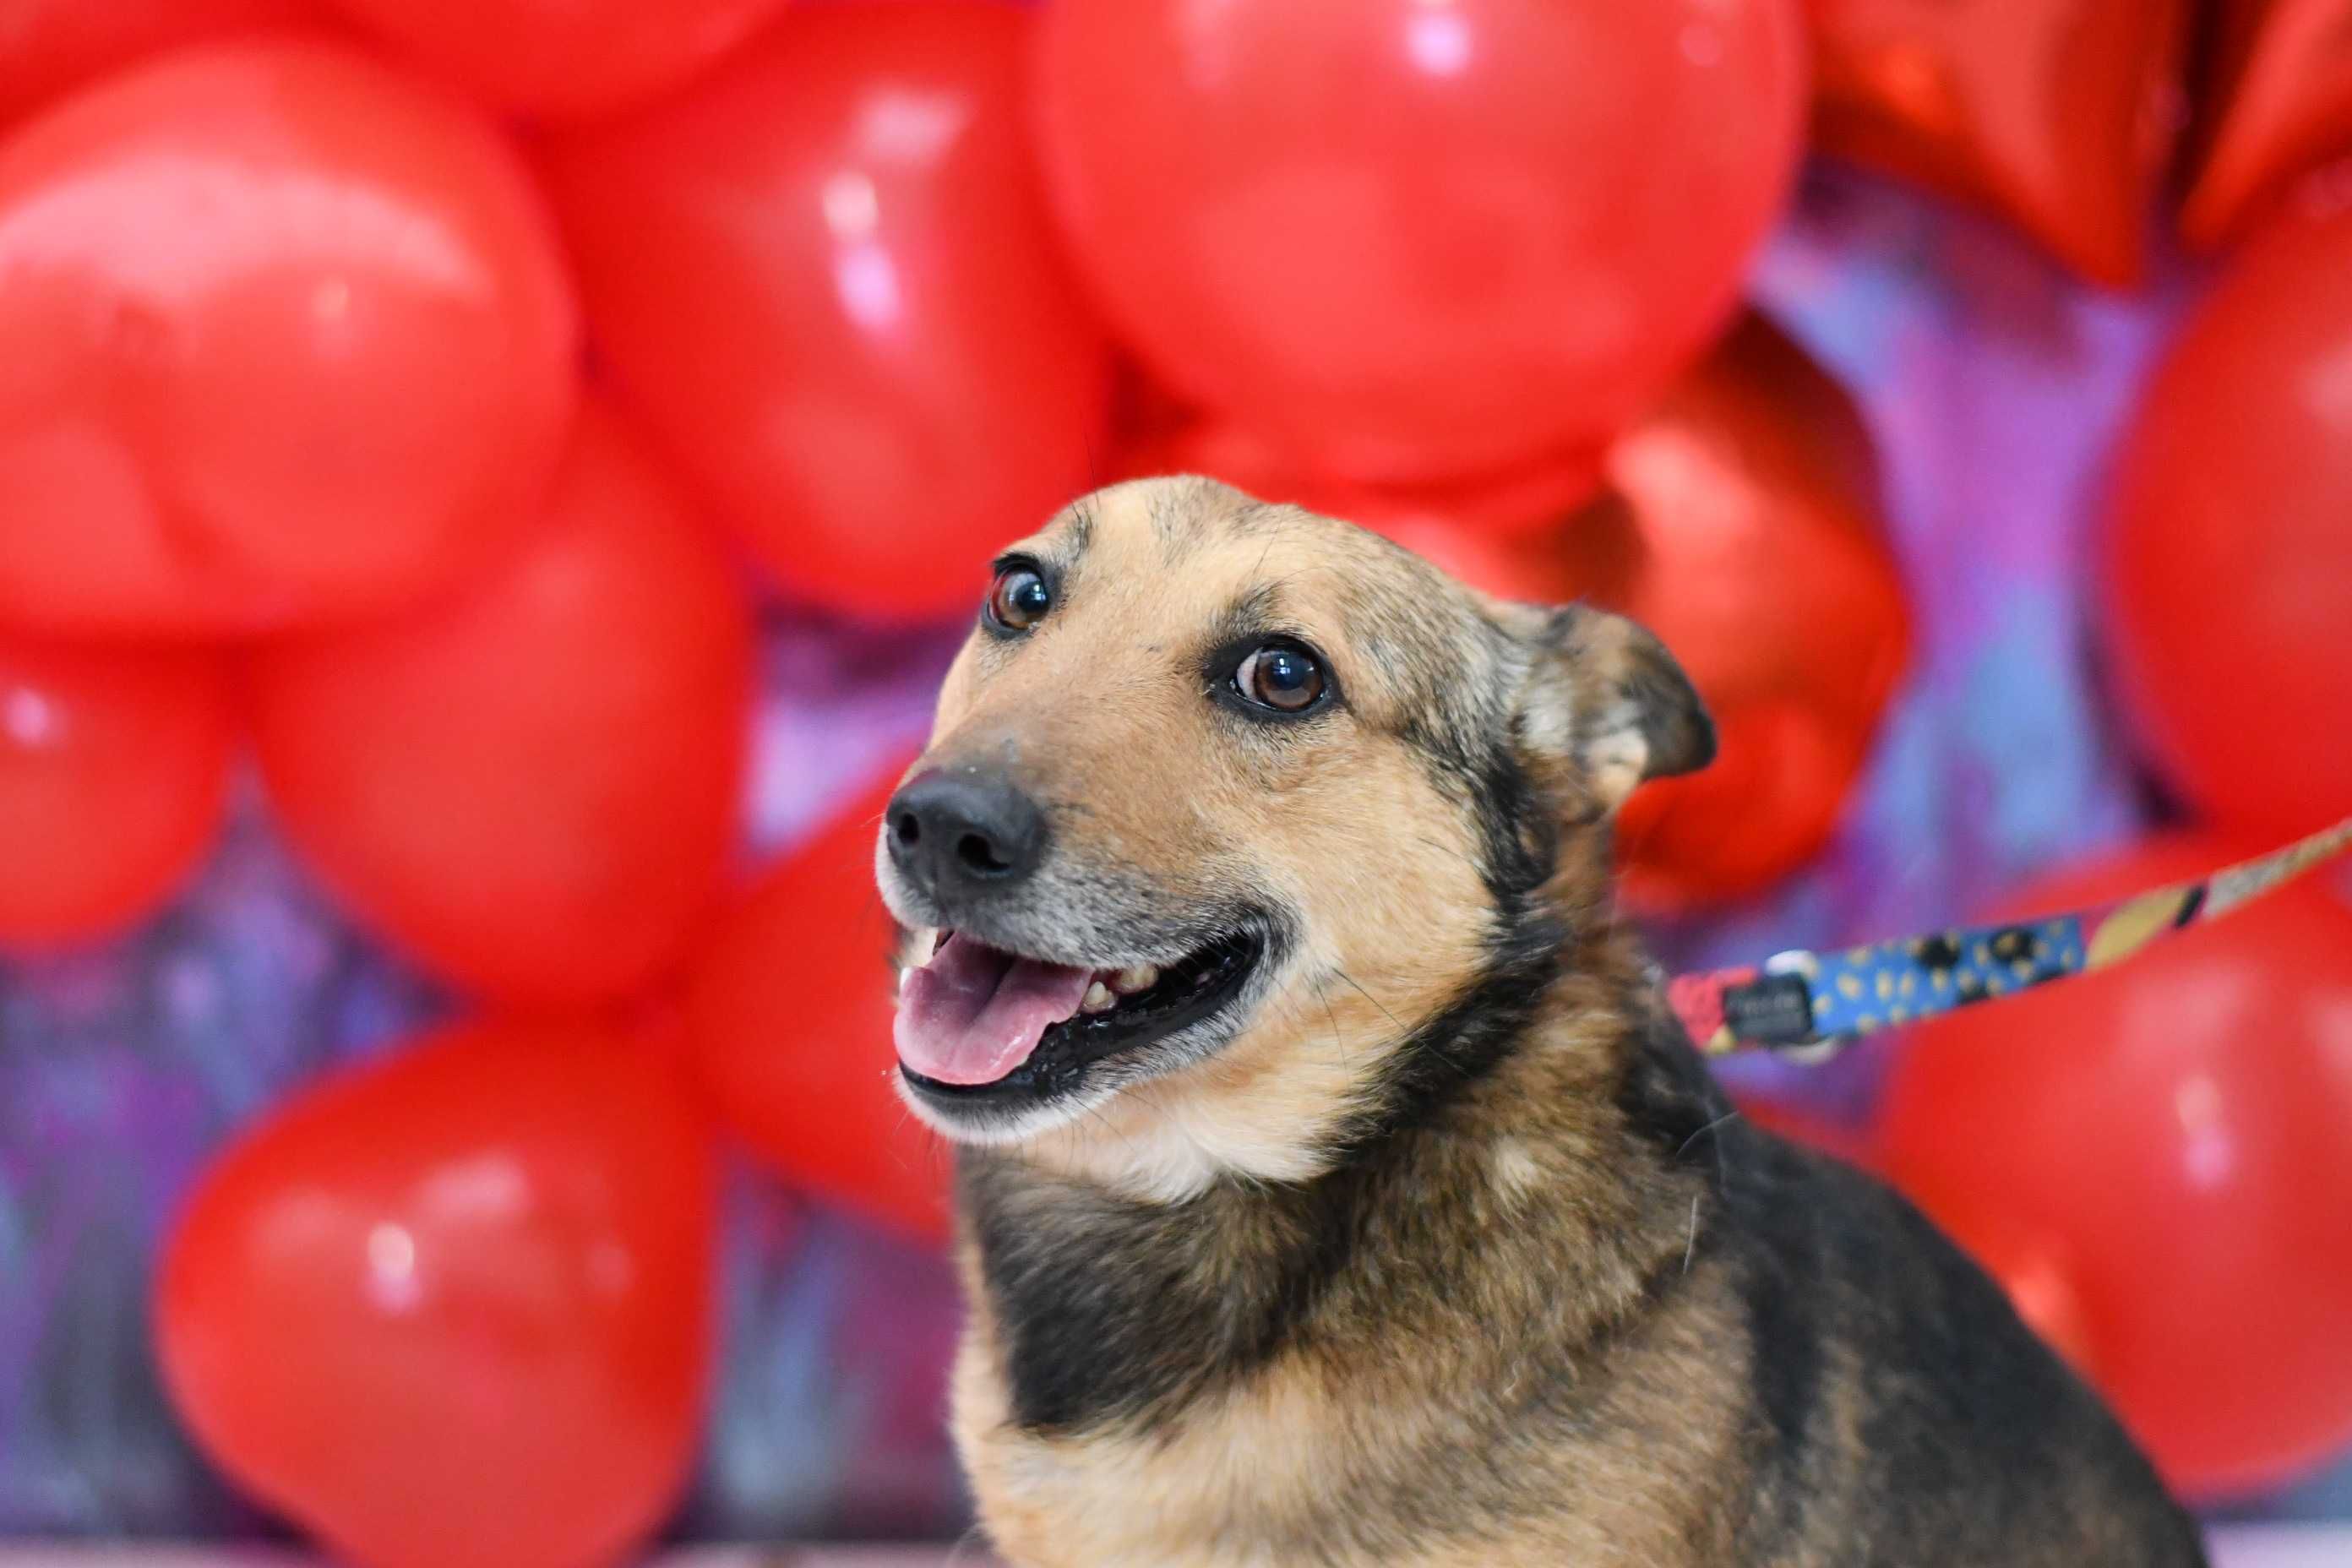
{"x":1684,"y":1149}
{"x":1339,"y":1050}
{"x":1369,"y":997}
{"x":1096,"y":1112}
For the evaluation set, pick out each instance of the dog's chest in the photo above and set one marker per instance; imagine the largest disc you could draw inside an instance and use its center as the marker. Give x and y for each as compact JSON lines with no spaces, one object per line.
{"x":1245,"y":1479}
{"x":1274,"y":1474}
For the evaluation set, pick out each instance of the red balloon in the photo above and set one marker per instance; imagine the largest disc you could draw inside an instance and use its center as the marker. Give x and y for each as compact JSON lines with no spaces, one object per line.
{"x":1745,"y":531}
{"x":1505,"y":539}
{"x":113,"y":774}
{"x":532,"y":788}
{"x":1407,"y":241}
{"x":2283,"y":106}
{"x":565,"y":57}
{"x":2181,"y":1126}
{"x":2228,"y":577}
{"x":2058,"y":114}
{"x":824,"y":276}
{"x":54,"y":46}
{"x":285,"y":338}
{"x":788,"y":1020}
{"x":454,"y":1310}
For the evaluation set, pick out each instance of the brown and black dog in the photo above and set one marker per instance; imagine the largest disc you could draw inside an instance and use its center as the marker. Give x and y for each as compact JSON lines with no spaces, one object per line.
{"x":1336,"y":1188}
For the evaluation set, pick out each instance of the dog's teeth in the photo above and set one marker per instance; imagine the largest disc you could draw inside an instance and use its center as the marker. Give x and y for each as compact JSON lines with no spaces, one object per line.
{"x":1097,"y":998}
{"x":1138,"y":977}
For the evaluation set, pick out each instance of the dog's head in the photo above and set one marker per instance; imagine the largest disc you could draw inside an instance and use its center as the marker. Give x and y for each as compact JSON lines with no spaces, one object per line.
{"x":1228,"y":809}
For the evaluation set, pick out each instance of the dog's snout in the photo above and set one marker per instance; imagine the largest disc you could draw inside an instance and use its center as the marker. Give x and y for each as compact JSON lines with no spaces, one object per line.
{"x":964,"y":832}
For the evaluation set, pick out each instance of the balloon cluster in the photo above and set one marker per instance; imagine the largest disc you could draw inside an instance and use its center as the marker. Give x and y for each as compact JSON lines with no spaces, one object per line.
{"x":2159,"y":1158}
{"x":412,"y":396}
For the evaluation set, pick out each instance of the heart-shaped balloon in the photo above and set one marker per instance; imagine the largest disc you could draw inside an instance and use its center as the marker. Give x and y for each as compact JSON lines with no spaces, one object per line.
{"x":532,"y":786}
{"x":788,"y":1017}
{"x":454,"y":1310}
{"x":1745,"y":530}
{"x":2282,"y":107}
{"x":2060,"y":115}
{"x":287,"y":339}
{"x":565,"y":59}
{"x":113,"y":770}
{"x":824,"y":276}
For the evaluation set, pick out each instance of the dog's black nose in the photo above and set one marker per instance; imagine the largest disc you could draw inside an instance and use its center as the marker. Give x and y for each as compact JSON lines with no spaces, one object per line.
{"x":964,"y":832}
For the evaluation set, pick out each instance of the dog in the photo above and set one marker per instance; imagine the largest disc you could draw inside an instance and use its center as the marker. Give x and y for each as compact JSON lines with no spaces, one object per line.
{"x":1334,"y":1186}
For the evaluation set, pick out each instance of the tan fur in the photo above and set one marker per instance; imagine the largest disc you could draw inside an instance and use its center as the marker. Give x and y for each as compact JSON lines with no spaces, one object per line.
{"x":1512,"y":1324}
{"x":1163,"y":790}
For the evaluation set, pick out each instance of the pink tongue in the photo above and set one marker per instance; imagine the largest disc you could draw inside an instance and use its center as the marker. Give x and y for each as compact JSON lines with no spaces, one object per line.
{"x":971,"y":1014}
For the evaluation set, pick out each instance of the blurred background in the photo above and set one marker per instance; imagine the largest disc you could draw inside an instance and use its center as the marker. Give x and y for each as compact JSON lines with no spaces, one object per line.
{"x":488,"y":489}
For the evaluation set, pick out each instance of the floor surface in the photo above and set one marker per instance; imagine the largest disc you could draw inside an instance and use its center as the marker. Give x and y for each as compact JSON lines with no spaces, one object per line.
{"x":2270,"y":1547}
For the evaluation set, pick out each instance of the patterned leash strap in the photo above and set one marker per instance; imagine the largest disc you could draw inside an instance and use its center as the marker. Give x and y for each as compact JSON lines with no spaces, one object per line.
{"x":1810,"y":1006}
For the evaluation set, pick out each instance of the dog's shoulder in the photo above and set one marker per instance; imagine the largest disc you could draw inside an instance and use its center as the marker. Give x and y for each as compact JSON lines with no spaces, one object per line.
{"x":1905,"y":1399}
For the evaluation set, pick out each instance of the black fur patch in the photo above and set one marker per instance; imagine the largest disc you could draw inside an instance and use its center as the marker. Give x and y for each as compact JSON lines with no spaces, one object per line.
{"x":1667,"y":1096}
{"x":1111,"y":1308}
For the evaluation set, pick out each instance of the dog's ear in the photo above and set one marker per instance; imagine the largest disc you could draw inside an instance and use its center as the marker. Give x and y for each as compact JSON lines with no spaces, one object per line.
{"x":1605,"y":696}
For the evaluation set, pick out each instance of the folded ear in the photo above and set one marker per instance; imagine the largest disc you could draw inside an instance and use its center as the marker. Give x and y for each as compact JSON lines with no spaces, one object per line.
{"x":1604,"y":697}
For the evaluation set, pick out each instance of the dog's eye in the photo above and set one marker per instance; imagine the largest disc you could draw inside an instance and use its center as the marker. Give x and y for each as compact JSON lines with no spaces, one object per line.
{"x":1020,"y":599}
{"x":1280,"y":675}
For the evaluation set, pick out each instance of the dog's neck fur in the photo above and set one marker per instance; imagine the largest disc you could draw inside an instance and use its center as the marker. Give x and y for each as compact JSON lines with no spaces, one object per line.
{"x":1105,"y":1308}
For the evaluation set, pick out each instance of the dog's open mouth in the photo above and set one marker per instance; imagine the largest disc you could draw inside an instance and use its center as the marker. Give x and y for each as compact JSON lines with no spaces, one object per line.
{"x":974,"y":1020}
